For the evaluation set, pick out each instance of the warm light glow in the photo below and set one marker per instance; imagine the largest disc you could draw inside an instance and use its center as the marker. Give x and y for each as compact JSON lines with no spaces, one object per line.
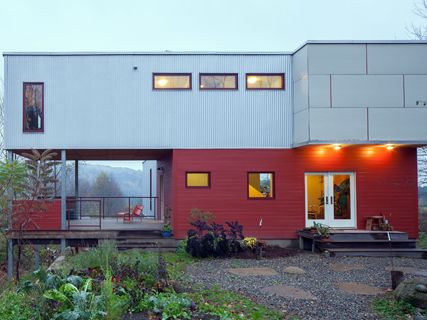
{"x":252,"y":80}
{"x":389,"y":146}
{"x":162,"y":82}
{"x":337,"y":146}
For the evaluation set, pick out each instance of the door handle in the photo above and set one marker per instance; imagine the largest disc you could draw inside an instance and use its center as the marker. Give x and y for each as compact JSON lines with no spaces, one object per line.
{"x":332,"y":199}
{"x":326,"y":198}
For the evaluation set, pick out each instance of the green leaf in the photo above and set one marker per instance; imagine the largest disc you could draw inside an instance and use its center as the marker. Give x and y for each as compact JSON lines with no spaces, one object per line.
{"x":55,"y":295}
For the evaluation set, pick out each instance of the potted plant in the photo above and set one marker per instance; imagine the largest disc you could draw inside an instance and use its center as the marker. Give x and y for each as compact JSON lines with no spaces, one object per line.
{"x":166,"y":231}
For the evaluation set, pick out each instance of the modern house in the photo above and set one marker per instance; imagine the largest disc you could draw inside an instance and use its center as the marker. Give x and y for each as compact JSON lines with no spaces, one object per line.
{"x":327,"y":133}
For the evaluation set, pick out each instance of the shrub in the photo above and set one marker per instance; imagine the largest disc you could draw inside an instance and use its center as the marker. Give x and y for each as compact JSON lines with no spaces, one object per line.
{"x":250,"y":243}
{"x":212,"y":239}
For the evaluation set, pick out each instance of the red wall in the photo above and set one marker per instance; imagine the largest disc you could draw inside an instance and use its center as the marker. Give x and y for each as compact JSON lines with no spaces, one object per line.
{"x":49,"y":217}
{"x":386,"y":182}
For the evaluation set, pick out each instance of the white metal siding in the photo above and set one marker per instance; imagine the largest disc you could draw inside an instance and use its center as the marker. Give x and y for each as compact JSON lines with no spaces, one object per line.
{"x":99,"y":101}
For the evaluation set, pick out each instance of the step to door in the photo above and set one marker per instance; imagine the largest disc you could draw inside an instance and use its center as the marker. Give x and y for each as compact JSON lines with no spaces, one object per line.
{"x":409,"y":253}
{"x":325,"y":244}
{"x":368,"y":235}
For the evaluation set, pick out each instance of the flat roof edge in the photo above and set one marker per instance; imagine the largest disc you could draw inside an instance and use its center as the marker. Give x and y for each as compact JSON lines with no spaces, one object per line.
{"x":179,"y":53}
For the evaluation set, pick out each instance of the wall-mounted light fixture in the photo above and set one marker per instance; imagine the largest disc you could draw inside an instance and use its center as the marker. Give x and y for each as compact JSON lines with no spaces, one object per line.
{"x":337,"y":146}
{"x":389,"y":146}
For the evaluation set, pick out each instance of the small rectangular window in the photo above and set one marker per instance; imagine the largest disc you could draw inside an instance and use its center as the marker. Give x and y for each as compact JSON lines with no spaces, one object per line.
{"x":33,"y":107}
{"x":265,"y":81}
{"x":218,"y":81}
{"x":197,"y":180}
{"x":172,"y":81}
{"x":260,"y":185}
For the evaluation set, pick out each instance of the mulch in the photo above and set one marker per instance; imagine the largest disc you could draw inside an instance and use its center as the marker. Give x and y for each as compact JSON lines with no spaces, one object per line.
{"x":268,"y":252}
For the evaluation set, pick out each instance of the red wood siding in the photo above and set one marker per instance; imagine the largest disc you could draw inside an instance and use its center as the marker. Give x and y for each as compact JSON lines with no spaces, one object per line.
{"x":386,"y":182}
{"x":49,"y":218}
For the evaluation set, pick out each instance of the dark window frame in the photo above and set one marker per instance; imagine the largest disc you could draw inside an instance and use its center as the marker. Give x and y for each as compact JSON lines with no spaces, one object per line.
{"x":281,"y":74}
{"x":235,"y":75}
{"x":172,"y":74}
{"x":273,"y":173}
{"x":198,"y":187}
{"x":24,"y":129}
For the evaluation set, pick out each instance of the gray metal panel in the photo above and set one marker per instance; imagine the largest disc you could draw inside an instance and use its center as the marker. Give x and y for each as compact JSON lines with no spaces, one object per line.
{"x":320,"y":90}
{"x":336,"y":59}
{"x":99,"y":101}
{"x":415,"y":90}
{"x":397,"y":58}
{"x":398,"y":124}
{"x":367,"y":91}
{"x":333,"y":124}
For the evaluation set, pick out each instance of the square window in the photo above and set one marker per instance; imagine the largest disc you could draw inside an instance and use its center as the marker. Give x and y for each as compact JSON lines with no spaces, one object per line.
{"x":33,"y":107}
{"x":197,"y":180}
{"x":172,"y":81}
{"x":260,"y":185}
{"x":265,"y":81}
{"x":218,"y":81}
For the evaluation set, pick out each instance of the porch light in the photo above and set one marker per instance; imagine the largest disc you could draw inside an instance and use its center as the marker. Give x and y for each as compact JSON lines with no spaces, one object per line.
{"x":389,"y":146}
{"x":337,"y":146}
{"x":252,"y":80}
{"x":162,"y":82}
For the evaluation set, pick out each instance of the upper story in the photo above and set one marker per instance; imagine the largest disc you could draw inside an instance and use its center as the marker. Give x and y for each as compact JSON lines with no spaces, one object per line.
{"x":324,"y":92}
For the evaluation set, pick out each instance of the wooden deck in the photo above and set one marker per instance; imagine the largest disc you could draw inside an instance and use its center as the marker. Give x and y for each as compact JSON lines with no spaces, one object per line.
{"x":362,"y":243}
{"x":114,"y":224}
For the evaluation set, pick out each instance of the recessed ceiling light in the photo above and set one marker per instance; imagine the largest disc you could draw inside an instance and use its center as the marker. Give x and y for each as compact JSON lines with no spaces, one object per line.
{"x":337,"y":146}
{"x":389,"y":146}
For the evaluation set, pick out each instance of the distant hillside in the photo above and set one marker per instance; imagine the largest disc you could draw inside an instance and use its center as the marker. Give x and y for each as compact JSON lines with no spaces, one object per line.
{"x":422,"y":196}
{"x":129,"y":180}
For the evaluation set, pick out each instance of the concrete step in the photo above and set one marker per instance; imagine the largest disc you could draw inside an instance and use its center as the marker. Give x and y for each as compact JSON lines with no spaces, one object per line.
{"x":409,"y":253}
{"x":325,"y":244}
{"x":367,"y":235}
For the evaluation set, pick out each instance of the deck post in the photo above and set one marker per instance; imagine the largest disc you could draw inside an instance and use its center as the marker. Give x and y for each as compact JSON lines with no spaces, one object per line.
{"x":10,"y":194}
{"x":9,"y":259}
{"x":63,"y":195}
{"x":10,"y":225}
{"x":76,"y":187}
{"x":36,"y":257}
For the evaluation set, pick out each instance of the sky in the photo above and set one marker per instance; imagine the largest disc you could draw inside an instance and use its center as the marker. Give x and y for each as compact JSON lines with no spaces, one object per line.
{"x":190,"y":25}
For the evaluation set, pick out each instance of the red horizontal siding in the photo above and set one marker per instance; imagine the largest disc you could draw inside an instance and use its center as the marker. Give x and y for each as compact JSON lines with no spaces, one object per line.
{"x":47,"y":218}
{"x":386,"y":182}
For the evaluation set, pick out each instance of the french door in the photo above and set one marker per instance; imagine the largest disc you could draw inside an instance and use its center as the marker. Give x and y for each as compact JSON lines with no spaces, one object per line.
{"x":330,"y":199}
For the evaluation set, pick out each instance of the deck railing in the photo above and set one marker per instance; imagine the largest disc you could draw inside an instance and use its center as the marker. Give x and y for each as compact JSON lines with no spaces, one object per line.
{"x":91,"y":211}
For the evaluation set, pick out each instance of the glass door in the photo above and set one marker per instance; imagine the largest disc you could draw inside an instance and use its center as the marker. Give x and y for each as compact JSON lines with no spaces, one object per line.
{"x":330,"y":199}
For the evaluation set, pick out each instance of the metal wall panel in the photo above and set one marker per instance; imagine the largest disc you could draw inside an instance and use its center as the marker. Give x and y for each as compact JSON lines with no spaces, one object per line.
{"x":415,"y":90}
{"x":367,"y":91}
{"x":99,"y":101}
{"x":397,"y":58}
{"x":337,"y":59}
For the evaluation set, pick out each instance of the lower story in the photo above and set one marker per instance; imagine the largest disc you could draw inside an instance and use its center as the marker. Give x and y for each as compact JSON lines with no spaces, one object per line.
{"x":274,"y":193}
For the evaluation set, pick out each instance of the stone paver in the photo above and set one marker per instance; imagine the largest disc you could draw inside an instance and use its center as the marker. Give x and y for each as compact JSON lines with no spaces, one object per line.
{"x":339,"y":267}
{"x":289,"y":292}
{"x":358,"y":288}
{"x":293,"y":270}
{"x":244,"y":272}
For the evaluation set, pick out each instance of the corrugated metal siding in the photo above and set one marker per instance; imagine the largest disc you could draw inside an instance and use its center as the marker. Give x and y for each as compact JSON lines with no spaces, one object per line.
{"x":101,"y":102}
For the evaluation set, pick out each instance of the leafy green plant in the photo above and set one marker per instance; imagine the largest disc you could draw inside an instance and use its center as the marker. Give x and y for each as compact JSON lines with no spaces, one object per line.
{"x":168,"y":305}
{"x":322,"y":229}
{"x":114,"y":304}
{"x":15,"y":306}
{"x":422,"y":240}
{"x":391,"y":309}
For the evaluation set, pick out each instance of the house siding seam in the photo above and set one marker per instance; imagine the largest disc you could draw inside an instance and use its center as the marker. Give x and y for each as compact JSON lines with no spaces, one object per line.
{"x":386,"y":183}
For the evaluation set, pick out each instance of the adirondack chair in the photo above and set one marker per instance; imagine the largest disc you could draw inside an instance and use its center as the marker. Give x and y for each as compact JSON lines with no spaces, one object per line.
{"x":129,"y":216}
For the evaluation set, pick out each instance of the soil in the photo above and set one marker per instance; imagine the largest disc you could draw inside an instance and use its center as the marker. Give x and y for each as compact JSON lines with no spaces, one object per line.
{"x":268,"y":252}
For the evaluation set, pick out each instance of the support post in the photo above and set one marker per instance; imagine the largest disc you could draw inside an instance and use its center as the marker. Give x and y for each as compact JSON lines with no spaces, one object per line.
{"x":76,"y":187}
{"x":10,"y":224}
{"x":9,"y":259}
{"x":9,"y":195}
{"x":63,"y":195}
{"x":36,"y":257}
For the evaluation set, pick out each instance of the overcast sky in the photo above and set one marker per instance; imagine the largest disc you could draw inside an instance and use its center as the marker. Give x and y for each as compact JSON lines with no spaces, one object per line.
{"x":196,"y":25}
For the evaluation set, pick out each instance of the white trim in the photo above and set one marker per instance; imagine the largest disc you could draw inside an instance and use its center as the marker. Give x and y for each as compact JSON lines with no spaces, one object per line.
{"x":328,"y":209}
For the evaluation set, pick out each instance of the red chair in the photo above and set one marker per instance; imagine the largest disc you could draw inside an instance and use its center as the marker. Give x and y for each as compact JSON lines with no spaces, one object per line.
{"x":128,"y":217}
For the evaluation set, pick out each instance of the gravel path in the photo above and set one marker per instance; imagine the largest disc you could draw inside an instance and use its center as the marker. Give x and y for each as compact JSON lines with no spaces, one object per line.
{"x":319,"y":280}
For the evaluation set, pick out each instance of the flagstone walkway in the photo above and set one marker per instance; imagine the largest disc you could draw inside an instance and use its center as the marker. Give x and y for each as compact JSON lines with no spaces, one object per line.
{"x":306,"y":285}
